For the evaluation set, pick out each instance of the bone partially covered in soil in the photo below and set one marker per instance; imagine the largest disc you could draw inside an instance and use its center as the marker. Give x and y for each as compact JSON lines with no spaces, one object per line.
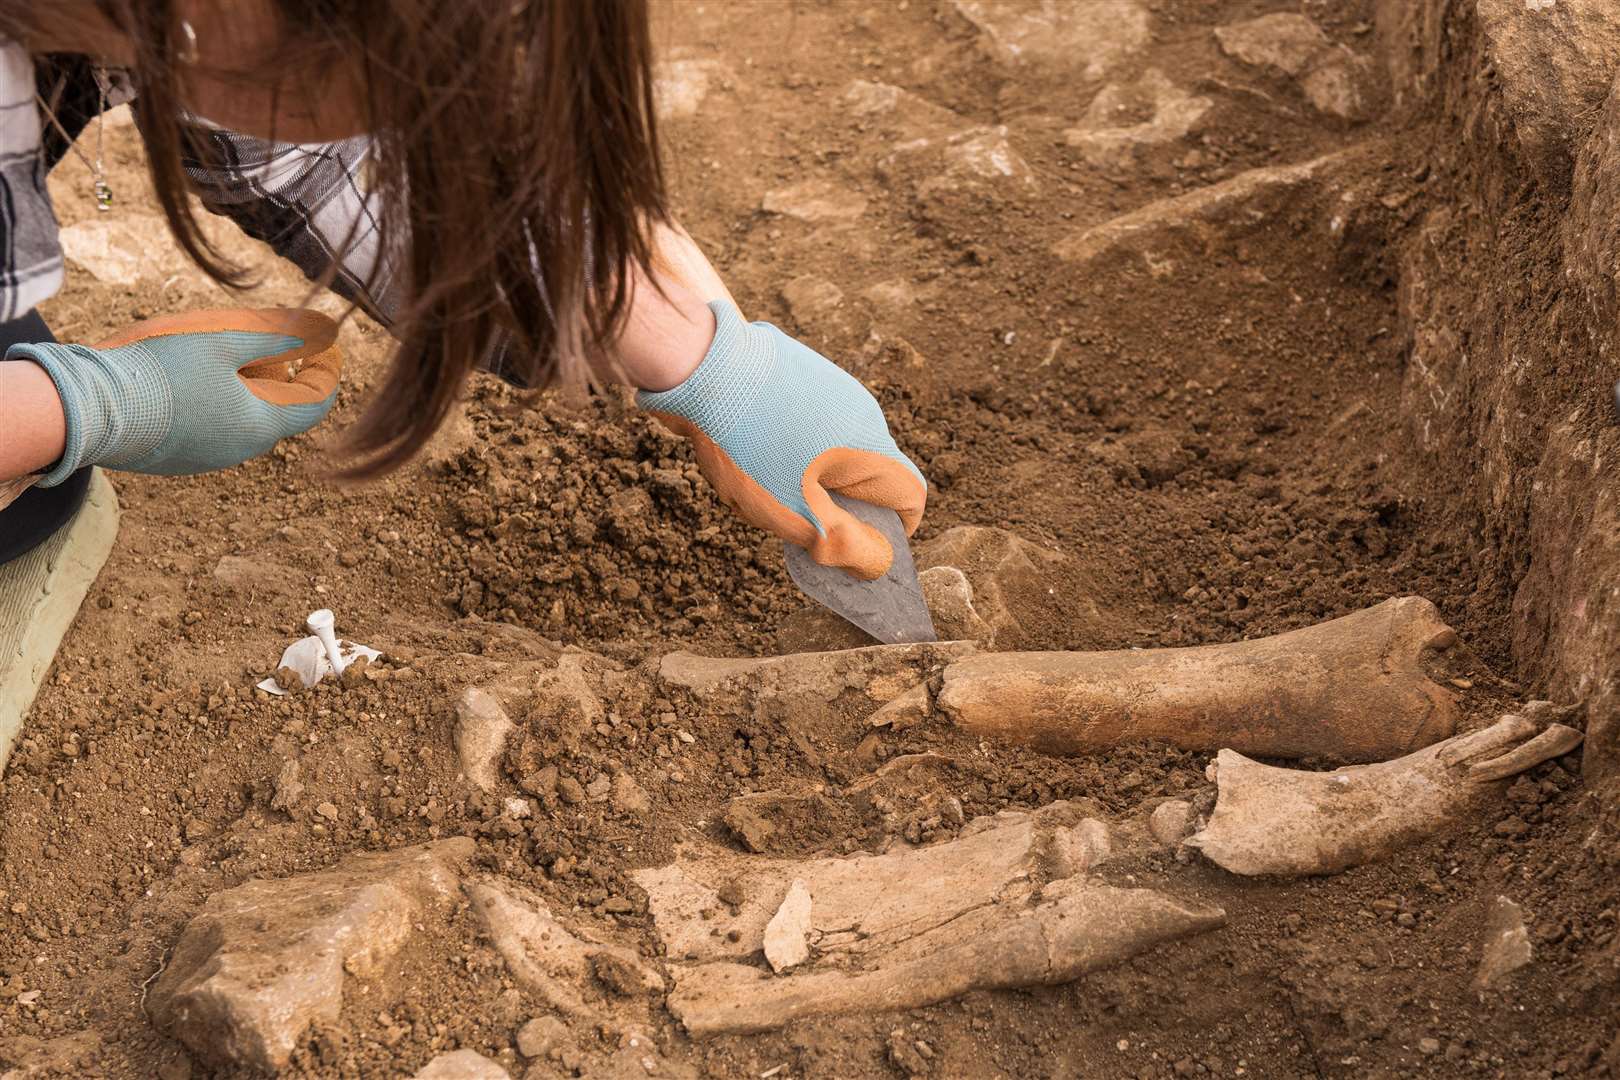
{"x":558,"y":965}
{"x":1269,"y":820}
{"x":1353,"y":689}
{"x":1006,"y":904}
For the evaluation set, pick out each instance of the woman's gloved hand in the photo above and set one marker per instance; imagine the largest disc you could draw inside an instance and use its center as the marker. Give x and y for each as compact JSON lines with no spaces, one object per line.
{"x":775,"y":426}
{"x":191,"y":393}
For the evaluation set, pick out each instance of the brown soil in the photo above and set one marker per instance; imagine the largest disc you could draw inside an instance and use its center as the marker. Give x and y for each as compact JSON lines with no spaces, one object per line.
{"x":1213,"y":447}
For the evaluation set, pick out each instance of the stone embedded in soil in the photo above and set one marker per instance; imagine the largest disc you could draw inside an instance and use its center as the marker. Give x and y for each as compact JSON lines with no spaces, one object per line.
{"x":1125,"y":120}
{"x":539,"y":1036}
{"x":1507,"y":944}
{"x":787,"y":935}
{"x":628,"y":797}
{"x":264,"y":960}
{"x":816,"y":201}
{"x":1556,"y":65}
{"x":1171,"y":822}
{"x":680,"y":84}
{"x":949,"y":596}
{"x":558,"y":965}
{"x":1087,"y":39}
{"x":1201,"y":217}
{"x":482,"y":727}
{"x":1332,"y":77}
{"x":1357,"y":688}
{"x":1018,"y":589}
{"x":816,"y":304}
{"x":462,"y":1065}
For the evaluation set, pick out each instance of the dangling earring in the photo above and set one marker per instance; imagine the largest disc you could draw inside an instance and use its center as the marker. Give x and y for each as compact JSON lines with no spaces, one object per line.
{"x":98,"y":167}
{"x":187,"y":53}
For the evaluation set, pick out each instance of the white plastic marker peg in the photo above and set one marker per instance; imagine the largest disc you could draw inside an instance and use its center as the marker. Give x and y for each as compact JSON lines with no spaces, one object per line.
{"x":320,"y":624}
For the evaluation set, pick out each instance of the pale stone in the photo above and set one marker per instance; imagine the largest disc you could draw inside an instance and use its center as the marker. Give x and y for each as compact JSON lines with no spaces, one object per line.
{"x":540,"y":1035}
{"x":816,"y":201}
{"x":1124,"y":119}
{"x":266,"y":959}
{"x":949,"y":597}
{"x":1507,"y":944}
{"x":787,"y":935}
{"x":1171,"y":822}
{"x":680,"y":85}
{"x":812,"y":300}
{"x":1089,"y":37}
{"x":482,"y":728}
{"x":1286,"y":41}
{"x":462,"y":1065}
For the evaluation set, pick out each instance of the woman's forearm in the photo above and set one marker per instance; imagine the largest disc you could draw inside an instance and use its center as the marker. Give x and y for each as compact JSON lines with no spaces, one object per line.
{"x":670,"y":326}
{"x":33,"y":431}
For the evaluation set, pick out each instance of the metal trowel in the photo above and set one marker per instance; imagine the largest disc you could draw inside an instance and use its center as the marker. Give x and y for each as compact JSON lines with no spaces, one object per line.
{"x":890,"y":608}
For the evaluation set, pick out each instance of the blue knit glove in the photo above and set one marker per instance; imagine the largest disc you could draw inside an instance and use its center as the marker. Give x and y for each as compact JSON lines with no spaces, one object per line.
{"x":191,"y":393}
{"x":775,"y":426}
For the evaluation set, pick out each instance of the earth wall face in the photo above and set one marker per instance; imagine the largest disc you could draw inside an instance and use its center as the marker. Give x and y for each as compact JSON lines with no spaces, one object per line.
{"x":1511,"y":312}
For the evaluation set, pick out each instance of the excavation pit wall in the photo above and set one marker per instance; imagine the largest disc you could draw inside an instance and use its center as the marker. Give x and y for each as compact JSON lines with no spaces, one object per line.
{"x":1510,"y":310}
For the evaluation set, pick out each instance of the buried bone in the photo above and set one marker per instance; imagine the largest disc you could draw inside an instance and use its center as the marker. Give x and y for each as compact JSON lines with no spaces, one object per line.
{"x":1269,"y":820}
{"x":1006,"y":904}
{"x":1071,"y":928}
{"x":1352,"y":689}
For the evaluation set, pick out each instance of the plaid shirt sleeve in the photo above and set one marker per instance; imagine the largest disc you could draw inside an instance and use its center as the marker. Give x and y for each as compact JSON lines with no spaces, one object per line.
{"x":30,"y":256}
{"x":309,"y":202}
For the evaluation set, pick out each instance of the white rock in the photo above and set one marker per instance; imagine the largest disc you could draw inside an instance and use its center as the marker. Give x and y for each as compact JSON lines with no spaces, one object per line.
{"x":1171,"y":822}
{"x":1286,"y":41}
{"x":680,"y":85}
{"x":816,"y":201}
{"x":462,"y":1065}
{"x":1086,"y":36}
{"x":787,"y":935}
{"x":1126,"y":118}
{"x":1507,"y":944}
{"x":482,"y":727}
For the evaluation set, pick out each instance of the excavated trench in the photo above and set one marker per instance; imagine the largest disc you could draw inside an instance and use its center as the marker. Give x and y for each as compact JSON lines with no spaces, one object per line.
{"x":1260,"y":359}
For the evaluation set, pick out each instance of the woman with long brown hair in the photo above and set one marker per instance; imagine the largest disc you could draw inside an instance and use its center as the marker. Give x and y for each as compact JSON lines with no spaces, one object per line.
{"x":482,"y":176}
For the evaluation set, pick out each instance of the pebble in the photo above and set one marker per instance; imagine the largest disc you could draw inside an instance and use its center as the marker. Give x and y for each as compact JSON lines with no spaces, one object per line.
{"x":328,"y":811}
{"x":540,"y":1036}
{"x":570,"y":791}
{"x":1428,"y":1047}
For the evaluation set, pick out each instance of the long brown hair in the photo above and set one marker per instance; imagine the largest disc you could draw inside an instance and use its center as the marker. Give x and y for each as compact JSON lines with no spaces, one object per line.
{"x":515,"y":145}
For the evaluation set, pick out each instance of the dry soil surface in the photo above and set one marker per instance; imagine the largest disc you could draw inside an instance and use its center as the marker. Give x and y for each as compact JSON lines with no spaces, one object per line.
{"x":1199,"y":425}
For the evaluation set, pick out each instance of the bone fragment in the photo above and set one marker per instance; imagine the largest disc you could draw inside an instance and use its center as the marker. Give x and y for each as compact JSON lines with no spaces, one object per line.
{"x":1075,"y":927}
{"x":787,"y":935}
{"x":812,"y":691}
{"x":1353,"y":689}
{"x":907,"y":710}
{"x":866,"y":904}
{"x":552,"y":962}
{"x":1556,"y":741}
{"x":1269,"y":820}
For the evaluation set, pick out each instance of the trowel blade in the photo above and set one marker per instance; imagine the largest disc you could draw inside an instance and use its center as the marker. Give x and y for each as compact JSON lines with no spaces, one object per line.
{"x":891,"y":608}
